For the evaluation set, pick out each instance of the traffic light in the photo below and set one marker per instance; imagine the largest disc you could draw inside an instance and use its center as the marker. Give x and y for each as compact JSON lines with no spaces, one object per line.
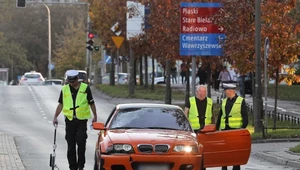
{"x":96,"y":48}
{"x":90,"y":45}
{"x":91,"y":35}
{"x":90,"y":42}
{"x":21,"y":3}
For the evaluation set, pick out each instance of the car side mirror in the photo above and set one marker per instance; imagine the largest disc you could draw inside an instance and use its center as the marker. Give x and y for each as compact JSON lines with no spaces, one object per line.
{"x":209,"y":128}
{"x":98,"y":126}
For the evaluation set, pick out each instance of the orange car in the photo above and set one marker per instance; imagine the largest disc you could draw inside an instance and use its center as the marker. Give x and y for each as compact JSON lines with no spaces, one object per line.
{"x":159,"y":137}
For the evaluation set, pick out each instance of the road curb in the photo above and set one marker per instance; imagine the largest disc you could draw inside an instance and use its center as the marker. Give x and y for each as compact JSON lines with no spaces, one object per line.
{"x":277,"y":159}
{"x":9,"y":154}
{"x":276,"y":140}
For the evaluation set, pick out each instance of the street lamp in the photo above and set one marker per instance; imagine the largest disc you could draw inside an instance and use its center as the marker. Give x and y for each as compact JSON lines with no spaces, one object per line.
{"x":50,"y":66}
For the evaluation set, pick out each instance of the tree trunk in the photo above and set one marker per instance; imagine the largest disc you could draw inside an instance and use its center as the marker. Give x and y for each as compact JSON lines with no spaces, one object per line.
{"x":153,"y":74}
{"x":134,"y":70}
{"x":168,"y":94}
{"x":112,"y":70}
{"x":187,"y":90}
{"x":253,"y":95}
{"x":132,"y":79}
{"x":276,"y":96}
{"x":141,"y":79}
{"x":146,"y":72}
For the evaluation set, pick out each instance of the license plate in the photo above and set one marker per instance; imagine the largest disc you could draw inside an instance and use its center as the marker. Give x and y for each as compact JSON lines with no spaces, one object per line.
{"x":153,"y":167}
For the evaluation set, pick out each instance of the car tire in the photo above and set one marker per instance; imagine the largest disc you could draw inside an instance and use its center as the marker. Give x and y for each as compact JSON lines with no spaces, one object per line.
{"x":98,"y":166}
{"x":95,"y":164}
{"x":202,"y":164}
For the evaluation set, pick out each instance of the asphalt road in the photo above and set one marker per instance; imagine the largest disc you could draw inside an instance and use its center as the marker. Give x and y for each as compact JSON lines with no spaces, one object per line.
{"x":27,"y":112}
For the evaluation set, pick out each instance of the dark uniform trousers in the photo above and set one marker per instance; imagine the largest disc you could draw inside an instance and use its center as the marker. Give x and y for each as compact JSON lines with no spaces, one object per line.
{"x":76,"y":134}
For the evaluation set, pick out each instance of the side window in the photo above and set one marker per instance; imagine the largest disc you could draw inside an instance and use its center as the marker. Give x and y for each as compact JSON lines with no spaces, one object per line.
{"x":110,"y":116}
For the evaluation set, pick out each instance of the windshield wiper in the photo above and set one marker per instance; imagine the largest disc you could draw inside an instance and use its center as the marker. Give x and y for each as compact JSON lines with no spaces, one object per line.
{"x":126,"y":127}
{"x":154,"y":127}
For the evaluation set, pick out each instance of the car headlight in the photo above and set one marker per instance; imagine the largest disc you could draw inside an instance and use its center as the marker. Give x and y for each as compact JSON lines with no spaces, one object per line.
{"x":120,"y":148}
{"x":186,"y":148}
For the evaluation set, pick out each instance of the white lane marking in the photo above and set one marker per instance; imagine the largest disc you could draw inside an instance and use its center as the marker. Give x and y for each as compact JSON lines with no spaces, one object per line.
{"x":37,"y":103}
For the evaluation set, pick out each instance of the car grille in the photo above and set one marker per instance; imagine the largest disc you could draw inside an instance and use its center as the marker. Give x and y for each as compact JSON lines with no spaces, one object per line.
{"x":148,"y":148}
{"x":161,"y":148}
{"x":145,"y":148}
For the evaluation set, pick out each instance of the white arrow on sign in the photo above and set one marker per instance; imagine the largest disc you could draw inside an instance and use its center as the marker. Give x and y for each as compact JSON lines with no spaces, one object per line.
{"x":221,"y":29}
{"x":108,"y":59}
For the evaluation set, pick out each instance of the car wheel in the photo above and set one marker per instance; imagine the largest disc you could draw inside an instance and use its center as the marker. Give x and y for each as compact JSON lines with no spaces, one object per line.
{"x":202,"y":164}
{"x":95,"y":164}
{"x":100,"y":165}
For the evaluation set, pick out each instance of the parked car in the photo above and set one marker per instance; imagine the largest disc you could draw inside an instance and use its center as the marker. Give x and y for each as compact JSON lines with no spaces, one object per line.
{"x":82,"y":77}
{"x":159,"y":80}
{"x":123,"y":78}
{"x":54,"y":82}
{"x":159,"y":136}
{"x":32,"y":78}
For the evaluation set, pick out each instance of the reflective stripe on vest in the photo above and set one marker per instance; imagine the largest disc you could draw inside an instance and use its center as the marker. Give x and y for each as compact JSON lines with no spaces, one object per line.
{"x":81,"y":103}
{"x":235,"y":115}
{"x":193,"y":113}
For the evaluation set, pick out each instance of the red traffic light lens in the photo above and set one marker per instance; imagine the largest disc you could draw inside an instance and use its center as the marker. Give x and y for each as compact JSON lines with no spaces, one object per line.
{"x":91,"y":35}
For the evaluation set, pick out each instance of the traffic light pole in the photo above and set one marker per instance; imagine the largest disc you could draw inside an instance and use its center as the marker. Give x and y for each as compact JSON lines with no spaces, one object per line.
{"x":88,"y":65}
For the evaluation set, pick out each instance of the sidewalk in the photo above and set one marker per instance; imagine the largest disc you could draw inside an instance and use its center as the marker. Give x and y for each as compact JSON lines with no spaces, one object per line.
{"x":278,"y":151}
{"x":9,"y":155}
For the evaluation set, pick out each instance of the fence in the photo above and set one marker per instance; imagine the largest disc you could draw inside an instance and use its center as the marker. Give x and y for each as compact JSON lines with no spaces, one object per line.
{"x":281,"y":117}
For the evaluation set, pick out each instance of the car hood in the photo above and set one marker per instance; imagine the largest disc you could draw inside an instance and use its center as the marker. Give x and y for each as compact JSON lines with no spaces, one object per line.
{"x":151,"y":136}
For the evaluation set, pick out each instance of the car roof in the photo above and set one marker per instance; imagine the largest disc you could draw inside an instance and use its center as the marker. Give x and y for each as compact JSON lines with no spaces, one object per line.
{"x":54,"y":80}
{"x":142,"y":105}
{"x":81,"y":71}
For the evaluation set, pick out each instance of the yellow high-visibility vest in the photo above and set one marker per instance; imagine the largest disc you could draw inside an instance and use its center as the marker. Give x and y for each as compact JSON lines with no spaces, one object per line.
{"x":81,"y":104}
{"x":235,"y":115}
{"x":193,"y":113}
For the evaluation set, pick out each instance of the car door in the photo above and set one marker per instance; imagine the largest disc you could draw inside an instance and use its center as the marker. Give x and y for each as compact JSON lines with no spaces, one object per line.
{"x":225,"y":148}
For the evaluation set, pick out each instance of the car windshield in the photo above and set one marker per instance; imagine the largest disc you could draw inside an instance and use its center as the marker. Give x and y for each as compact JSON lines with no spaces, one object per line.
{"x":150,"y":118}
{"x":32,"y":76}
{"x":82,"y":75}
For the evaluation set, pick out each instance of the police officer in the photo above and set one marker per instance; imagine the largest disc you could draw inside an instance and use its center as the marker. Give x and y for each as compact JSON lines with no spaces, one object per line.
{"x":233,"y":113}
{"x":199,"y":109}
{"x":75,"y":101}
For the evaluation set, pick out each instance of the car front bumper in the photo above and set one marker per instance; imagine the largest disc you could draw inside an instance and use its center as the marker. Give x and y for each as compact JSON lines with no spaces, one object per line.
{"x":134,"y":162}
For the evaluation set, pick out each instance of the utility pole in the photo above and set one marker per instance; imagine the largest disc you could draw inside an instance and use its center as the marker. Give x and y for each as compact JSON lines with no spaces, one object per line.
{"x":258,"y":86}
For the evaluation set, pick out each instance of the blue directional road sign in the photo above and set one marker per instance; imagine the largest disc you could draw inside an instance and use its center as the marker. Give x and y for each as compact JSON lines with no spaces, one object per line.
{"x":199,"y":35}
{"x":201,"y":44}
{"x":107,"y":59}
